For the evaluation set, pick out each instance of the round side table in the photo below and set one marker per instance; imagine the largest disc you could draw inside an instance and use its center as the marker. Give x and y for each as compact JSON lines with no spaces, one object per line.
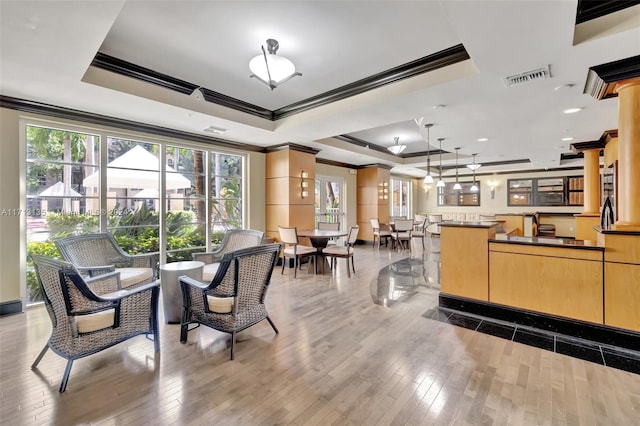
{"x":171,"y":293}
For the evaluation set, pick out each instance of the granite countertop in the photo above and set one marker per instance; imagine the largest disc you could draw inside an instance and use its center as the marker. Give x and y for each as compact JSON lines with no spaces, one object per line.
{"x":487,"y":224}
{"x":548,"y":242}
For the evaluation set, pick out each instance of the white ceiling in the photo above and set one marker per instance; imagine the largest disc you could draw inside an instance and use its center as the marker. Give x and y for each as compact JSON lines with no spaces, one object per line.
{"x":46,"y":49}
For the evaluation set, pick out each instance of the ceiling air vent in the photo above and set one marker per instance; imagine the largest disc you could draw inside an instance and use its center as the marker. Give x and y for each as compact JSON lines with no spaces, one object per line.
{"x":526,"y":77}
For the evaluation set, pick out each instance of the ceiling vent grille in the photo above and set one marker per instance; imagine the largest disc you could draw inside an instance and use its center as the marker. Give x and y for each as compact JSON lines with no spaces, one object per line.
{"x":529,"y":76}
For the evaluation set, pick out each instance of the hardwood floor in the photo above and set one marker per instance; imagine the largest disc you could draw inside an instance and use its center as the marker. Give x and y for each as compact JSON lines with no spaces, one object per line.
{"x":339,"y":358}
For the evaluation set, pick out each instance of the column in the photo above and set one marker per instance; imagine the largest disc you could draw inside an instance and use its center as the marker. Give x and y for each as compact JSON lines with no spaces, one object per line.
{"x":590,"y":216}
{"x":628,"y":154}
{"x":373,"y":195}
{"x":285,"y":203}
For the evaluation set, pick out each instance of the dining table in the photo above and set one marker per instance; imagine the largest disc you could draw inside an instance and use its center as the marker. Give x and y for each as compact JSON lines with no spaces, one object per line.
{"x":319,"y":239}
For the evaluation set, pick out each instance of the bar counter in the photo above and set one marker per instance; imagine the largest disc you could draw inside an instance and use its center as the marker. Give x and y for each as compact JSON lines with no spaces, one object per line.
{"x":595,"y":282}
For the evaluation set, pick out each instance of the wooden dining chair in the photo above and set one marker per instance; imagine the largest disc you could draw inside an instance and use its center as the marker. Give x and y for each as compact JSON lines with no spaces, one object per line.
{"x":344,"y":251}
{"x":402,"y":233}
{"x":379,"y":233}
{"x":329,"y":226}
{"x":293,"y":250}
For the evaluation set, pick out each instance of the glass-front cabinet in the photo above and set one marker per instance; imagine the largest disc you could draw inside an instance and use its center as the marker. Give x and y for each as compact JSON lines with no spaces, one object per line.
{"x":557,"y":191}
{"x":520,"y":192}
{"x":550,"y":192}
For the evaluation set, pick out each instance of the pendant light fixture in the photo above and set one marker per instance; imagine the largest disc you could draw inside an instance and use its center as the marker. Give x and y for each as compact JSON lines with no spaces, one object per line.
{"x":440,"y":183}
{"x":474,"y":167}
{"x":397,"y":149}
{"x":457,"y":186}
{"x":428,"y":179}
{"x":272,"y":69}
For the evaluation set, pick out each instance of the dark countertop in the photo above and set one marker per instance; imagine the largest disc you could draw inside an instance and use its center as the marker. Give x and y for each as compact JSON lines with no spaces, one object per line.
{"x":548,"y":242}
{"x":487,"y":224}
{"x":613,"y":231}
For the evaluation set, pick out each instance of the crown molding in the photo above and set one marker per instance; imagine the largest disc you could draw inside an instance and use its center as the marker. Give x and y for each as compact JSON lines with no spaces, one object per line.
{"x":103,"y":120}
{"x":602,"y":79}
{"x":291,"y":147}
{"x":590,"y":9}
{"x":443,"y":58}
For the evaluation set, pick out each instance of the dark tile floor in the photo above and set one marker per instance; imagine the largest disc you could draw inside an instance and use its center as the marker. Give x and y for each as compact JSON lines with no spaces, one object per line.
{"x":578,"y":348}
{"x":415,"y":281}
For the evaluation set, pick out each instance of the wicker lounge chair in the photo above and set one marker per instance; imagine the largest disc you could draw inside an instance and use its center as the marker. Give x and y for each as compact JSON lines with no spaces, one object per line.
{"x":96,"y":254}
{"x":234,"y":299}
{"x":93,"y":315}
{"x":234,"y":239}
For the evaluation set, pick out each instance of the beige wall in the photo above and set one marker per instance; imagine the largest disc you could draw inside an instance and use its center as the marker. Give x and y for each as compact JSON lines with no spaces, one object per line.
{"x":256,"y":166}
{"x":10,"y":250}
{"x":350,"y":182}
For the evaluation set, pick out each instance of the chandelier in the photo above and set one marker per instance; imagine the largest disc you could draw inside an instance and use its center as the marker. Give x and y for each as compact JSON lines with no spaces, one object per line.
{"x":272,"y":69}
{"x":397,"y":149}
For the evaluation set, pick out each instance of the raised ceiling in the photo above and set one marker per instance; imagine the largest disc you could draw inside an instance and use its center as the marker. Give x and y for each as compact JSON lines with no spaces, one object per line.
{"x":47,"y":49}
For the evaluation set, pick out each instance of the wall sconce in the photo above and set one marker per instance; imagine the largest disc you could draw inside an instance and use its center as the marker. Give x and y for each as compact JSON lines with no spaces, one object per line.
{"x":304,"y":185}
{"x":493,"y":192}
{"x":383,"y":190}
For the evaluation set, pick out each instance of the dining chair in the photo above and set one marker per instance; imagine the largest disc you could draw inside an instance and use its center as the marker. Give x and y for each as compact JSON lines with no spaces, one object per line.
{"x":486,"y":218}
{"x":435,"y":218}
{"x":420,"y":230}
{"x":402,"y":232}
{"x":329,"y":226}
{"x":294,"y":250}
{"x":379,"y":233}
{"x":89,"y":315}
{"x":344,"y":251}
{"x":234,"y":299}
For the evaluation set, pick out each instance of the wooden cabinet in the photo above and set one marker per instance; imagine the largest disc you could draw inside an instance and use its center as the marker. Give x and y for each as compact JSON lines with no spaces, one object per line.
{"x":576,"y":191}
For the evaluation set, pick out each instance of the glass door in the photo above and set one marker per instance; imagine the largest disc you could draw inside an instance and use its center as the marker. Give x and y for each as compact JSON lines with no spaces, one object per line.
{"x":328,"y":200}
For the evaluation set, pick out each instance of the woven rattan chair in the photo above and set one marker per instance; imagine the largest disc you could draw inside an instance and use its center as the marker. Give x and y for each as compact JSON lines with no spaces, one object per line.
{"x":96,"y":254}
{"x":344,"y":251}
{"x":91,"y":315}
{"x":293,"y":250}
{"x":378,"y":233}
{"x":234,"y":239}
{"x":234,"y":299}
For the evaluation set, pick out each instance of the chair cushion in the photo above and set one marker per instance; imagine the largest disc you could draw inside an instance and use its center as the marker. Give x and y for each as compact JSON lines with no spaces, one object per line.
{"x":93,"y":322}
{"x":132,"y":276}
{"x":220,"y":305}
{"x":300,"y":250}
{"x":338,"y":251}
{"x":209,"y":271}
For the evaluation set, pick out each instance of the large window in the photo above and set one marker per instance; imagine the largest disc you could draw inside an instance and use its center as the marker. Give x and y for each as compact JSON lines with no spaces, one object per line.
{"x":154,"y":197}
{"x":400,"y":198}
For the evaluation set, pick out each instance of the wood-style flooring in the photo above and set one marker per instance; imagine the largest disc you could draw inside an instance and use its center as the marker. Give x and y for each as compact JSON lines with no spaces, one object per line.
{"x":340,"y":358}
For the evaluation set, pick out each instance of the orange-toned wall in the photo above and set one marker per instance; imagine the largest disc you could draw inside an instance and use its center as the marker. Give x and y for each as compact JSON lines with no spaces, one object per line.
{"x":371,"y":200}
{"x":284,"y":203}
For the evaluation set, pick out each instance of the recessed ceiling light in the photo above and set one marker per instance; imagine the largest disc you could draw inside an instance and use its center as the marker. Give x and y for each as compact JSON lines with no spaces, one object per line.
{"x":564,"y":86}
{"x":483,"y":139}
{"x":572,"y":110}
{"x":216,"y":130}
{"x":568,"y":138}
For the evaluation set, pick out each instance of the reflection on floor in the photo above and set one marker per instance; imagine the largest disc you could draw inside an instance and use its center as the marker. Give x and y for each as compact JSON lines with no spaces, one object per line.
{"x":414,"y":283}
